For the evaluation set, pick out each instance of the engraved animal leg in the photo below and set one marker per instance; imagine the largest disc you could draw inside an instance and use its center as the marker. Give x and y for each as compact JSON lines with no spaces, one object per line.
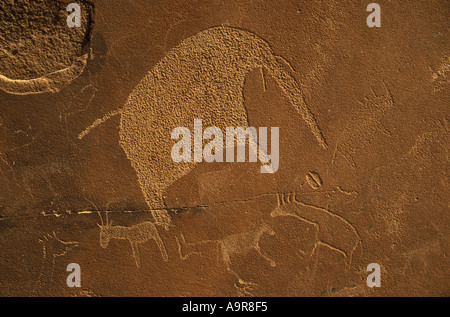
{"x":160,"y":244}
{"x":244,"y":288}
{"x":314,"y":258}
{"x":350,"y":257}
{"x":348,"y":156}
{"x":265,"y":257}
{"x":183,"y":246}
{"x":186,"y":249}
{"x":135,"y":249}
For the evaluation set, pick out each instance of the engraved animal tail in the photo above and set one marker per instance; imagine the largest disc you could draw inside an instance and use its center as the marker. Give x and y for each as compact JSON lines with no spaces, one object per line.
{"x":99,"y":121}
{"x":293,"y":91}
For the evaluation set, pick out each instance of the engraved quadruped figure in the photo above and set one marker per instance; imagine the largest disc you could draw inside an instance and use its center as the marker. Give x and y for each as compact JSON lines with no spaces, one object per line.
{"x":332,"y":231}
{"x":236,"y":244}
{"x":52,"y":248}
{"x":136,"y":234}
{"x":201,"y":78}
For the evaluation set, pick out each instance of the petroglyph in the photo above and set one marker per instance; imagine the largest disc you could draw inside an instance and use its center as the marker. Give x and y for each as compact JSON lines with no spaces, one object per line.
{"x":237,"y":244}
{"x":203,"y":77}
{"x":52,"y":248}
{"x":231,"y":245}
{"x":52,"y":82}
{"x":98,"y":122}
{"x":244,"y":242}
{"x":314,"y":180}
{"x":245,"y":288}
{"x":332,"y":230}
{"x":363,"y":125}
{"x":346,"y":192}
{"x":136,"y":234}
{"x":393,"y":195}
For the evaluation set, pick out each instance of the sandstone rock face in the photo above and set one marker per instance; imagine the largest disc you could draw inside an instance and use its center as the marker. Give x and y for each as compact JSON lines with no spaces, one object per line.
{"x":39,"y":52}
{"x":86,"y":174}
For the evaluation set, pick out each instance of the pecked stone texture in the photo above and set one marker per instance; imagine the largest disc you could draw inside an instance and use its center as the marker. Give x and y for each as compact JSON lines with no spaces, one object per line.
{"x":364,"y":134}
{"x":35,"y":39}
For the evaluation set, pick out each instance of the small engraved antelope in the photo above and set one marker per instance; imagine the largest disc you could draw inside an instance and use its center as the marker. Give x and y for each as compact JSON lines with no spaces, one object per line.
{"x":52,"y":248}
{"x":236,"y":244}
{"x":136,"y":234}
{"x":243,"y":243}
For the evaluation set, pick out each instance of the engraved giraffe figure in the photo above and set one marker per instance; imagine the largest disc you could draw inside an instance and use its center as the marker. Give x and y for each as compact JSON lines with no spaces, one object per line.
{"x":136,"y":234}
{"x":203,"y":77}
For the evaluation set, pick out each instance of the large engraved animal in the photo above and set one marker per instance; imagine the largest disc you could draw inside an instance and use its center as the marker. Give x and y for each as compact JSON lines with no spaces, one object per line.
{"x":203,"y":77}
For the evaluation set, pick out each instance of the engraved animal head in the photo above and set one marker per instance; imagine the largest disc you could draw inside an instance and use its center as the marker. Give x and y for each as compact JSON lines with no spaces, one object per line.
{"x":55,"y":246}
{"x":104,"y":231}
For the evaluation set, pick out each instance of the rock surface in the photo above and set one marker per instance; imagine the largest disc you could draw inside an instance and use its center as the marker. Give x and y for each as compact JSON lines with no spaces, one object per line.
{"x":86,"y":177}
